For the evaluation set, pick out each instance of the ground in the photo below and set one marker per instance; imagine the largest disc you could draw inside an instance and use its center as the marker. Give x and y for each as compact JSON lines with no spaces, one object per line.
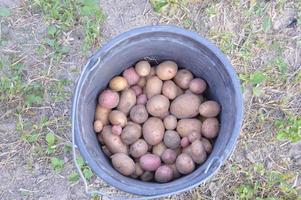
{"x":44,"y":45}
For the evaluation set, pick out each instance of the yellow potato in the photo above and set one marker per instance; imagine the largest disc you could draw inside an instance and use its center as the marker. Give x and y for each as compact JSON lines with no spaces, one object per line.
{"x":118,"y":83}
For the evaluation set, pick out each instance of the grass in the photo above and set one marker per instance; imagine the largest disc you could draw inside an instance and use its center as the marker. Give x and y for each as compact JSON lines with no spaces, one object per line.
{"x":289,"y":129}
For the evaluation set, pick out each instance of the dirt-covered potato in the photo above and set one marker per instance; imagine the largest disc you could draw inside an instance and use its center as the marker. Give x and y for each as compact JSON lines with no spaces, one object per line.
{"x":186,"y":126}
{"x":116,"y":130}
{"x":171,"y":139}
{"x":157,"y":105}
{"x":176,"y":173}
{"x":138,"y":171}
{"x":198,"y":153}
{"x":97,"y":126}
{"x":138,"y":148}
{"x":113,"y":142}
{"x":184,"y":142}
{"x":169,"y":156}
{"x":209,"y":109}
{"x":158,"y":149}
{"x":183,"y":78}
{"x":153,"y":130}
{"x":185,"y":164}
{"x":142,"y":99}
{"x":142,"y":81}
{"x":143,"y":68}
{"x":138,"y":114}
{"x":137,"y":89}
{"x":193,"y":136}
{"x":118,"y":83}
{"x":106,"y":151}
{"x":117,"y":117}
{"x":185,"y":106}
{"x":170,"y":89}
{"x":197,"y":86}
{"x":131,"y":133}
{"x":150,"y":162}
{"x":147,"y":176}
{"x":207,"y":145}
{"x":210,"y":128}
{"x":167,"y":70}
{"x":108,"y":99}
{"x":170,"y":122}
{"x":102,"y":114}
{"x":123,"y":164}
{"x":164,"y":174}
{"x":153,"y":86}
{"x":131,"y":76}
{"x":127,"y":101}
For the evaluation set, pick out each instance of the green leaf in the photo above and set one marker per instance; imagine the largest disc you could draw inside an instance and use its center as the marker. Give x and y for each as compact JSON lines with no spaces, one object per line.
{"x":88,"y":173}
{"x":257,"y":78}
{"x":31,"y":138}
{"x":257,"y":91}
{"x":80,"y":162}
{"x":50,"y":139}
{"x":4,"y":12}
{"x":89,"y":2}
{"x":50,"y":42}
{"x":67,"y":148}
{"x":33,"y":99}
{"x":73,"y":177}
{"x":281,"y":65}
{"x":158,"y":4}
{"x":88,"y":10}
{"x":52,"y":30}
{"x":267,"y":23}
{"x":56,"y":163}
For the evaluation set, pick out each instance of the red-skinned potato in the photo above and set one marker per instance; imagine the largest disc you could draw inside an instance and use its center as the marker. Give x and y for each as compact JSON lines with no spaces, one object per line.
{"x":150,"y":162}
{"x":153,"y":86}
{"x":102,"y":114}
{"x":137,"y":90}
{"x":158,"y":149}
{"x":118,"y":83}
{"x":138,"y":114}
{"x":209,"y":109}
{"x":157,"y":105}
{"x":97,"y":126}
{"x":183,"y":78}
{"x":142,"y":99}
{"x":164,"y":174}
{"x":210,"y":128}
{"x":185,"y":164}
{"x":170,"y":122}
{"x":117,"y":117}
{"x":185,"y":106}
{"x":153,"y":130}
{"x":170,"y":89}
{"x":123,"y":164}
{"x":198,"y":153}
{"x":131,"y":76}
{"x":113,"y":142}
{"x":184,"y":142}
{"x":131,"y":133}
{"x":116,"y":130}
{"x":207,"y":145}
{"x":193,"y":136}
{"x":186,"y":126}
{"x":127,"y":101}
{"x":171,"y":139}
{"x":169,"y":156}
{"x":138,"y":148}
{"x":166,"y":70}
{"x":143,"y":68}
{"x":108,"y":99}
{"x":197,"y":86}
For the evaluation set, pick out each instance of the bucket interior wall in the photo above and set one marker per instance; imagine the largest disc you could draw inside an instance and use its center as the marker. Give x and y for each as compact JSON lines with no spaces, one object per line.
{"x":159,"y":46}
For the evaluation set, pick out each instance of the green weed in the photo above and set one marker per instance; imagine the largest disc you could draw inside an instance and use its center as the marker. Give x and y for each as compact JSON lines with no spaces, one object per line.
{"x":85,"y":169}
{"x":289,"y":129}
{"x":255,"y":79}
{"x":73,"y":177}
{"x":167,"y":7}
{"x":57,"y":164}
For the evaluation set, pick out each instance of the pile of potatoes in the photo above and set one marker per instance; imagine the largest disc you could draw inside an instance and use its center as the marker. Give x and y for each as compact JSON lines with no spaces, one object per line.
{"x":154,"y":123}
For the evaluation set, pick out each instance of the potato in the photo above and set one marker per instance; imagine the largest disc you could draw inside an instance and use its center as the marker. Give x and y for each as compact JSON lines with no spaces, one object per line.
{"x":169,"y":156}
{"x":179,"y":91}
{"x":142,"y":99}
{"x":108,"y":99}
{"x":171,"y":139}
{"x":100,"y":138}
{"x":158,"y":149}
{"x":187,"y":150}
{"x":194,"y":135}
{"x":170,"y":122}
{"x":97,"y":126}
{"x":153,"y":86}
{"x":151,"y":73}
{"x":131,"y":133}
{"x":183,"y":78}
{"x":113,"y":142}
{"x":186,"y":126}
{"x":116,"y":130}
{"x":123,"y":164}
{"x":185,"y":164}
{"x":184,"y":142}
{"x":106,"y":151}
{"x":118,"y":83}
{"x":164,"y":174}
{"x":210,"y":128}
{"x":131,"y":76}
{"x":197,"y":86}
{"x":209,"y":109}
{"x":147,"y":176}
{"x":157,"y":105}
{"x":143,"y":68}
{"x":185,"y":106}
{"x":102,"y":114}
{"x":137,"y":90}
{"x":142,"y":81}
{"x":175,"y":172}
{"x":117,"y":117}
{"x":138,"y":114}
{"x":138,"y":148}
{"x":150,"y":162}
{"x":166,"y":70}
{"x":138,"y":171}
{"x":198,"y":153}
{"x":207,"y":145}
{"x":170,"y":89}
{"x":127,"y":101}
{"x":153,"y":130}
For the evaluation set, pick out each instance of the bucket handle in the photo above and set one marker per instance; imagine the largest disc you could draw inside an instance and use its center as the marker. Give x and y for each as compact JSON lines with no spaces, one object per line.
{"x":212,"y":163}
